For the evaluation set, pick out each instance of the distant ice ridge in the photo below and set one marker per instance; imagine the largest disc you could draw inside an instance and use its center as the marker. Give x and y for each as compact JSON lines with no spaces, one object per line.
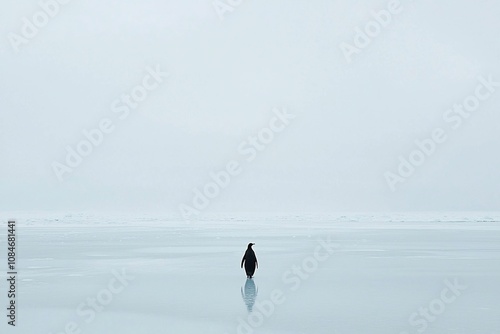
{"x":265,"y":218}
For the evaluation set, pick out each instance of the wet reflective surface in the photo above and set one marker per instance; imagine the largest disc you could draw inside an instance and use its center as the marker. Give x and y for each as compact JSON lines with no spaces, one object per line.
{"x":313,"y":277}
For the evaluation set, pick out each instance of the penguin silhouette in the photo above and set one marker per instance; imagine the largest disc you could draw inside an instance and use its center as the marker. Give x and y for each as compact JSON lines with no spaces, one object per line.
{"x":250,"y":261}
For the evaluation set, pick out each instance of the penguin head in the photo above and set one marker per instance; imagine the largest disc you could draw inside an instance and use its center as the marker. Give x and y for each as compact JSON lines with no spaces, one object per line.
{"x":250,"y":245}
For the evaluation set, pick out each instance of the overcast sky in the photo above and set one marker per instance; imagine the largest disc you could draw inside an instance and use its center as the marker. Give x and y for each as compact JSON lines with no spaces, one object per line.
{"x":227,"y":72}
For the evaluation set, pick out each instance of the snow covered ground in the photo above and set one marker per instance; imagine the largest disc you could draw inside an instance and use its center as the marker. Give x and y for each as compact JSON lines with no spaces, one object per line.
{"x":352,"y":274}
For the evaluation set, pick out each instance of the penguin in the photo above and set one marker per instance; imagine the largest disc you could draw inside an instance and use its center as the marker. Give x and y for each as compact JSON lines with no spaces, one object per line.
{"x":250,"y":261}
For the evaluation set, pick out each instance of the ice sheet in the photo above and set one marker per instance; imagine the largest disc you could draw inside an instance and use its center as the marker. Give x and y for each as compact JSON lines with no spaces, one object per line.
{"x":353,"y":274}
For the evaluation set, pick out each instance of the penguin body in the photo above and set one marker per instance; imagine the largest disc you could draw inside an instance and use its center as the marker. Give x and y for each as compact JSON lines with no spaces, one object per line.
{"x":250,"y":261}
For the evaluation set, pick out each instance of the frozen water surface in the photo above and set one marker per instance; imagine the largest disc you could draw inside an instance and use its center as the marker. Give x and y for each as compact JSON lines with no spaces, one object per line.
{"x":317,"y":274}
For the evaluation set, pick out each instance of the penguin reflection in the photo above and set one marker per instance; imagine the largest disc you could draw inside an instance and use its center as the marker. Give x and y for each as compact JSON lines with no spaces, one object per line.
{"x":249,"y":294}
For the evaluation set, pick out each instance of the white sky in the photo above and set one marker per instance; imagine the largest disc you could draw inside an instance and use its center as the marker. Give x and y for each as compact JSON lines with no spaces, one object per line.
{"x":352,"y":121}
